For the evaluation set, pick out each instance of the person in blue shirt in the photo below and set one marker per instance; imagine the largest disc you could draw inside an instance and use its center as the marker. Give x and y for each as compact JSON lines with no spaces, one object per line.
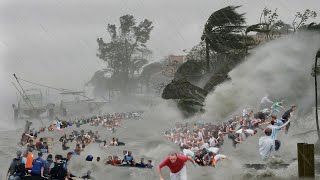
{"x":38,"y":166}
{"x":128,"y":158}
{"x":275,"y":130}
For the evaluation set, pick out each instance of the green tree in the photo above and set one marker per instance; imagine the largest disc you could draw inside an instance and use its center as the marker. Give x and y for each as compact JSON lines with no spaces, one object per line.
{"x":123,"y":52}
{"x":222,"y":32}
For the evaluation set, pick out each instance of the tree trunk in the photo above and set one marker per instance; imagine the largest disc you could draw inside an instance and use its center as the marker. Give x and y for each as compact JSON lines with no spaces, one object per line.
{"x":246,"y":44}
{"x":148,"y":86}
{"x":126,"y":70}
{"x":207,"y":55}
{"x":316,"y":95}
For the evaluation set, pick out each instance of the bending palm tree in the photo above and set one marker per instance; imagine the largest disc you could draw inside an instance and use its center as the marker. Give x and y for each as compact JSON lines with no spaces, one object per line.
{"x":222,"y":32}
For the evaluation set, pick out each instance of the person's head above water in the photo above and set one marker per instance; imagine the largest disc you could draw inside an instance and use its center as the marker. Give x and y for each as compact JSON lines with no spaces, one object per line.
{"x":19,"y":153}
{"x":40,"y":154}
{"x":49,"y":156}
{"x":173,"y":157}
{"x":268,"y":131}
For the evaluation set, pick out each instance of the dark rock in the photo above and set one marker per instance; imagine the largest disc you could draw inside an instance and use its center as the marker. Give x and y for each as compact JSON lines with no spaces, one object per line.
{"x":216,"y":79}
{"x":182,"y":89}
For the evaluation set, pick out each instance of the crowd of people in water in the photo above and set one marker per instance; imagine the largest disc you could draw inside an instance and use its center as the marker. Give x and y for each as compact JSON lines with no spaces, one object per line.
{"x":109,"y":121}
{"x":25,"y":166}
{"x":202,"y":141}
{"x":128,"y":161}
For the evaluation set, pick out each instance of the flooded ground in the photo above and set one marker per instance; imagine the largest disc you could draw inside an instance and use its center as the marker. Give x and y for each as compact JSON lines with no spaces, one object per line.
{"x":144,"y":138}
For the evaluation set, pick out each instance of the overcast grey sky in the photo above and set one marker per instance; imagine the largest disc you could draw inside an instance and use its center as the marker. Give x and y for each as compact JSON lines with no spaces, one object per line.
{"x":54,"y":41}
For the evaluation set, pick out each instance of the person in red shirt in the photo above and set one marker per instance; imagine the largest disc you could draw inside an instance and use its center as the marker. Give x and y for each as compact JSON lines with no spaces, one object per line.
{"x":39,"y":144}
{"x":116,"y":161}
{"x":176,"y":164}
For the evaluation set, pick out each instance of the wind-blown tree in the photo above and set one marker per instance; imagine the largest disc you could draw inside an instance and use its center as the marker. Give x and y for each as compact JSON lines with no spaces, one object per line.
{"x":223,"y":33}
{"x":258,"y":28}
{"x":123,"y":52}
{"x":301,"y":18}
{"x":270,"y":24}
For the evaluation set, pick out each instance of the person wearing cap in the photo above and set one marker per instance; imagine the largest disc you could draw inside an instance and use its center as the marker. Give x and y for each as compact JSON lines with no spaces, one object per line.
{"x":38,"y":166}
{"x":286,"y":116}
{"x":12,"y":171}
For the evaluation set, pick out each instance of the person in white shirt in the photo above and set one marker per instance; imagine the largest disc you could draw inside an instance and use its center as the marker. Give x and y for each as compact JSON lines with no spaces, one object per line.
{"x":250,"y":132}
{"x":266,"y":145}
{"x":265,"y":102}
{"x":205,"y":146}
{"x":217,"y":158}
{"x":214,"y":150}
{"x":188,"y":152}
{"x":200,"y":135}
{"x":213,"y":141}
{"x":244,"y":112}
{"x":242,"y":132}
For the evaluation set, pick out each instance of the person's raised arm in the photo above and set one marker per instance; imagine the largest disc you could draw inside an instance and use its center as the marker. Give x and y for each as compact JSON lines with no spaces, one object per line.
{"x":278,"y":105}
{"x":266,"y":122}
{"x":268,"y":100}
{"x":191,"y":160}
{"x":284,"y":125}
